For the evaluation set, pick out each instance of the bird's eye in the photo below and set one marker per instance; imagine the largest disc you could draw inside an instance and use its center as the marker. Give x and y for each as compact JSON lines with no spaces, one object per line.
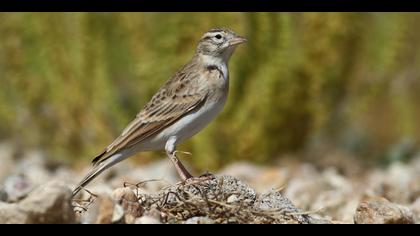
{"x":218,"y":36}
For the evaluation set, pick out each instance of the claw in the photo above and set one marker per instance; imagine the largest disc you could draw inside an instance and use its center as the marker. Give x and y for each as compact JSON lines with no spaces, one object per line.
{"x":197,"y":180}
{"x":207,"y":175}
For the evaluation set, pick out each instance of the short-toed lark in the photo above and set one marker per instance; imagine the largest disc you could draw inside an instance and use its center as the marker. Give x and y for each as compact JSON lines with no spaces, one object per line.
{"x":183,"y":106}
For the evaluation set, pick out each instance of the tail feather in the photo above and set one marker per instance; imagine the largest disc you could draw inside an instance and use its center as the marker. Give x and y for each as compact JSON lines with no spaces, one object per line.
{"x":98,"y":169}
{"x":96,"y":160}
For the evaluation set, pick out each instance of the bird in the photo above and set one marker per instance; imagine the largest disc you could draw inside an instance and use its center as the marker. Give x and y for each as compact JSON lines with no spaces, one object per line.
{"x":182,"y":107}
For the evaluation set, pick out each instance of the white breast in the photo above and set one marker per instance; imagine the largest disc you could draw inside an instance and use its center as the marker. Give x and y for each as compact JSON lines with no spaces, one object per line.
{"x":185,"y":127}
{"x":192,"y":123}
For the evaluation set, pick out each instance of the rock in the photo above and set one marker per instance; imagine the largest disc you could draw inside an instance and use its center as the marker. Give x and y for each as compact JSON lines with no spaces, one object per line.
{"x":326,"y":190}
{"x":3,"y":195}
{"x":7,"y":153}
{"x":33,"y":167}
{"x":99,"y":212}
{"x":391,"y":183}
{"x":199,"y":220}
{"x":147,"y":220}
{"x":274,"y":202}
{"x":118,"y":214}
{"x":415,"y":207}
{"x":232,"y":199}
{"x":124,"y":196}
{"x":381,"y":211}
{"x":214,"y":189}
{"x":49,"y":203}
{"x":244,"y":171}
{"x":17,"y":187}
{"x":305,"y":187}
{"x":97,"y":208}
{"x":271,"y":178}
{"x":10,"y":214}
{"x":119,"y":207}
{"x":220,"y":199}
{"x":127,"y":199}
{"x":107,"y":213}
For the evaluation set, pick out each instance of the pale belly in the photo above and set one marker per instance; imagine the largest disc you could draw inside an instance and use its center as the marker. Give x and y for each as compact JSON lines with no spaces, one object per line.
{"x":185,"y":127}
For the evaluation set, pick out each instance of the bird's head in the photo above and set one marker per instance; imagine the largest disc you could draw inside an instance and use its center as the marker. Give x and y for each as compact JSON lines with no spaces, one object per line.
{"x":219,"y":42}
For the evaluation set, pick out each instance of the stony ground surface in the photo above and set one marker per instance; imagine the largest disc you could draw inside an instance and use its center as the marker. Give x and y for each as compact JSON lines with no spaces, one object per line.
{"x":33,"y":190}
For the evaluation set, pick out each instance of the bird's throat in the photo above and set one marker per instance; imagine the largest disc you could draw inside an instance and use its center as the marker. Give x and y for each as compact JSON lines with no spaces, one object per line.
{"x":215,"y":62}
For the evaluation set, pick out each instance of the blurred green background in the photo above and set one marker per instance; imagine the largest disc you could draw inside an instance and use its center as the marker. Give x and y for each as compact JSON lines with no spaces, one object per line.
{"x":303,"y":84}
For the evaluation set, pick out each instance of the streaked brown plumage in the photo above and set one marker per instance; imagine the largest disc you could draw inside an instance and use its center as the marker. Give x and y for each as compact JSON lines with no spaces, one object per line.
{"x":184,"y":105}
{"x":174,"y":99}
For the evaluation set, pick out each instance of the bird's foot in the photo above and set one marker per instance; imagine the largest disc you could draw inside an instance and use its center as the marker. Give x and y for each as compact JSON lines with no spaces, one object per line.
{"x":207,"y":175}
{"x":197,"y":180}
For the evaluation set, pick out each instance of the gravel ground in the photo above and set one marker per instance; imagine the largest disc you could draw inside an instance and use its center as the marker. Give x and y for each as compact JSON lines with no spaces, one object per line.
{"x":33,"y":190}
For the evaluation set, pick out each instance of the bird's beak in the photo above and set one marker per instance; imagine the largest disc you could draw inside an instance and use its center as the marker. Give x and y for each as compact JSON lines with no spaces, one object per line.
{"x":237,"y":40}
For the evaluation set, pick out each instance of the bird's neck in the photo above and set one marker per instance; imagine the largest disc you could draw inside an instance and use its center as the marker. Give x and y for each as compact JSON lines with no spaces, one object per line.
{"x":215,"y":61}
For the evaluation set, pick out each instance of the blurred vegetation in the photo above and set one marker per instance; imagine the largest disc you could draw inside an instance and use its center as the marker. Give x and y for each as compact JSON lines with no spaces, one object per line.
{"x":70,"y":82}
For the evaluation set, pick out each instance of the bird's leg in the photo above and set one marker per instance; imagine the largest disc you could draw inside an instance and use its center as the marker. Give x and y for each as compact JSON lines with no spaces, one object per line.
{"x":171,"y":152}
{"x":180,"y":168}
{"x":186,"y":177}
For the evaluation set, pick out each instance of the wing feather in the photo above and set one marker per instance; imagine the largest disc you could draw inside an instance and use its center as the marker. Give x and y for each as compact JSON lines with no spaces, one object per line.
{"x":173,"y":101}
